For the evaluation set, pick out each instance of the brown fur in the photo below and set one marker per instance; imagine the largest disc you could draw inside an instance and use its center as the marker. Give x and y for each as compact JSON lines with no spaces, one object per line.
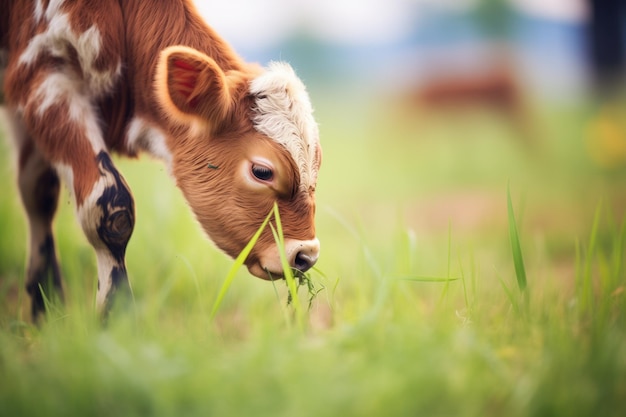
{"x":177,"y":75}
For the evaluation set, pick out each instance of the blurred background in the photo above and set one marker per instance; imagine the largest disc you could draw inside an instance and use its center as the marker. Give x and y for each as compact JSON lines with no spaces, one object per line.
{"x":503,"y":55}
{"x":398,"y":44}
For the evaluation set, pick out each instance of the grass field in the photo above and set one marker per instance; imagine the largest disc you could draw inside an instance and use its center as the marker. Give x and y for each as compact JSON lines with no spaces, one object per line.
{"x":421,"y":310}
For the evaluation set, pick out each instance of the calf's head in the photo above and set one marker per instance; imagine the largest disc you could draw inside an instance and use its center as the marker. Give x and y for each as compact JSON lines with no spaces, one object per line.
{"x":241,"y":140}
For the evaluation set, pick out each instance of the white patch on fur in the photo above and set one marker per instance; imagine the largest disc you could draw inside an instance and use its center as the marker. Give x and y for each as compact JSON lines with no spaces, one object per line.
{"x":59,"y":38}
{"x":53,"y":40}
{"x":89,"y":214}
{"x":67,"y":176}
{"x":63,"y":89}
{"x":106,"y":263}
{"x":13,"y":126}
{"x":38,"y":14}
{"x":53,"y":8}
{"x":141,"y":136}
{"x":284,"y":113}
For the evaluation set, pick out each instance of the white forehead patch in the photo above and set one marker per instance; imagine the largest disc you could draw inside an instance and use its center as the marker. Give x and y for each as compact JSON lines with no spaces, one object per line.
{"x":283,"y":112}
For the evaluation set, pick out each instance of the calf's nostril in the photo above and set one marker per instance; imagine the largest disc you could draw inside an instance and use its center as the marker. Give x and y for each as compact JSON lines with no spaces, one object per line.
{"x":303,"y":262}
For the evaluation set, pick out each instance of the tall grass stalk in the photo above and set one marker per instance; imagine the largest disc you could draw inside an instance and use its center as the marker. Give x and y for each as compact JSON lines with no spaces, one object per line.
{"x":446,"y":286}
{"x":518,"y":258}
{"x":585,"y":277}
{"x":509,"y":294}
{"x":429,"y":278}
{"x":279,"y":238}
{"x":600,"y":279}
{"x":241,"y":258}
{"x":288,"y":273}
{"x":516,"y":248}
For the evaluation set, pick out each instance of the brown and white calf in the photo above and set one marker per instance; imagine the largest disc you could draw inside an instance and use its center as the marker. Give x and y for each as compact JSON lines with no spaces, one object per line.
{"x":86,"y":78}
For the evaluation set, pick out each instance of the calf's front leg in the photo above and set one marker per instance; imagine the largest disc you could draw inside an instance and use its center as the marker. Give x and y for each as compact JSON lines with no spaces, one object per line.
{"x":63,"y":124}
{"x":108,"y":216}
{"x":39,"y":188}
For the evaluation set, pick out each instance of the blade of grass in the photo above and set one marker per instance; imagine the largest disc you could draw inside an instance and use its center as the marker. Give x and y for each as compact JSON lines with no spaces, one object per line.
{"x":196,"y":282}
{"x":284,"y":308}
{"x":241,"y":258}
{"x":331,"y":295}
{"x":446,"y":286}
{"x":518,"y":259}
{"x":618,"y":253}
{"x":509,"y":293}
{"x":289,"y":278}
{"x":53,"y":310}
{"x":467,"y":304}
{"x":586,"y":284}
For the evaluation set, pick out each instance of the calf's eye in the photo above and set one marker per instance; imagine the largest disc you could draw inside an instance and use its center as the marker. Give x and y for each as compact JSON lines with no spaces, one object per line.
{"x":262,"y":173}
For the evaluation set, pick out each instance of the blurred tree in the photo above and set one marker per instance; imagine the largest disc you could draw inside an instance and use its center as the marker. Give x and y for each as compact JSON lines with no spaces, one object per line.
{"x":495,"y":18}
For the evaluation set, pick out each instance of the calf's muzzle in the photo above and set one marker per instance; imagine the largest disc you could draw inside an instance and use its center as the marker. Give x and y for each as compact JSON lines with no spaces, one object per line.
{"x":301,"y":255}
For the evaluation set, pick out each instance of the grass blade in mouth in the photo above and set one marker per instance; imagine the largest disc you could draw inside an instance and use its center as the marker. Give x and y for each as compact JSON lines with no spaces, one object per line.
{"x":279,"y":238}
{"x":303,"y":278}
{"x":293,"y":278}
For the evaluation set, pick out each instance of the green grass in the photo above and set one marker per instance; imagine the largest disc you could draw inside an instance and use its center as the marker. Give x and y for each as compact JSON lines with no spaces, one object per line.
{"x":423,"y":307}
{"x":239,"y":261}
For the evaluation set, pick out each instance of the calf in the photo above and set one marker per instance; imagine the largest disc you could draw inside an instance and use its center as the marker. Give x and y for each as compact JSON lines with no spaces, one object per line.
{"x":83,"y":79}
{"x":494,"y":88}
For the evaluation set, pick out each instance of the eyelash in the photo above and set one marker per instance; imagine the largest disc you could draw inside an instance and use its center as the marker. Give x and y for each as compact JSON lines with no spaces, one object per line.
{"x":262,"y":173}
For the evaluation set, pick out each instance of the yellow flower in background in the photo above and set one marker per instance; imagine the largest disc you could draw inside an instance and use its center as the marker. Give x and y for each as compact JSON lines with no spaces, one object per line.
{"x":606,"y":140}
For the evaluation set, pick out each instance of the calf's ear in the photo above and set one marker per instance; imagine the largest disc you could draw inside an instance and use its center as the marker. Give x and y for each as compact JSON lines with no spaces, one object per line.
{"x":191,"y":87}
